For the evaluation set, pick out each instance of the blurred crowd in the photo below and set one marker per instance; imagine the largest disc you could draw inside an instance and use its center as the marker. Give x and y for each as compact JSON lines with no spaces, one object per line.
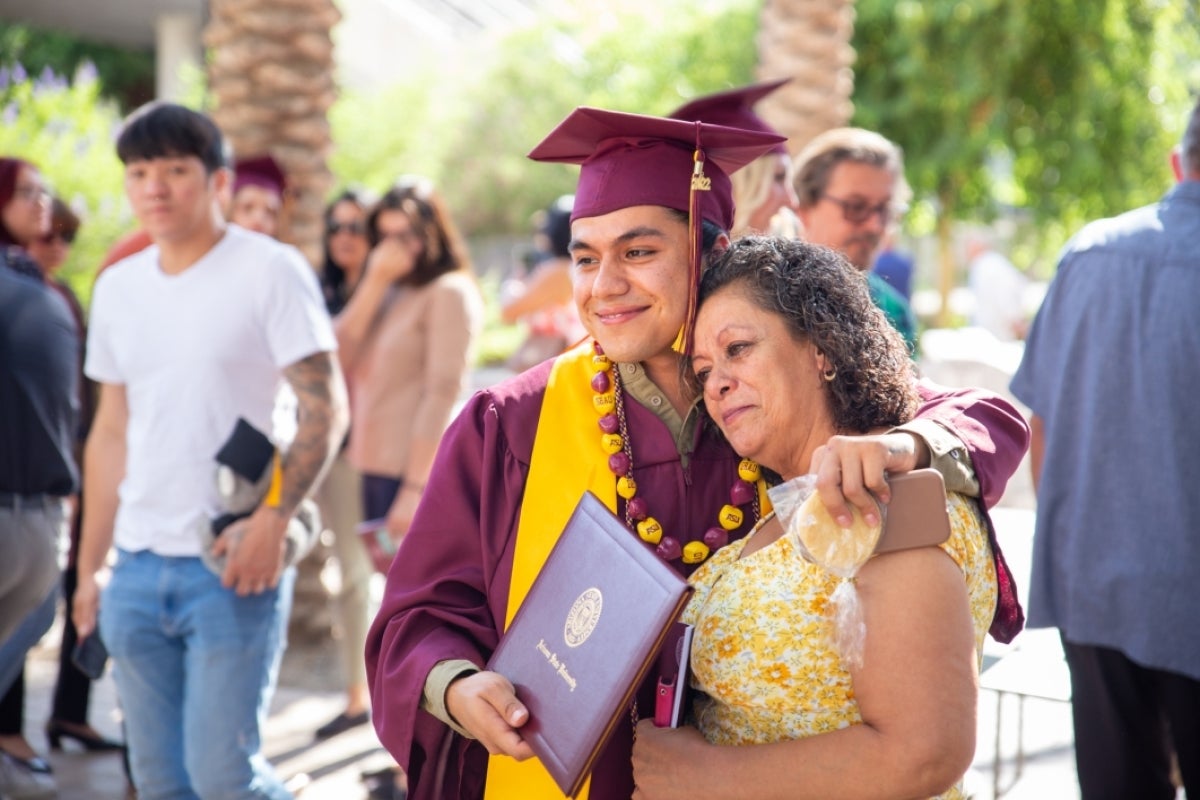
{"x":158,"y":448}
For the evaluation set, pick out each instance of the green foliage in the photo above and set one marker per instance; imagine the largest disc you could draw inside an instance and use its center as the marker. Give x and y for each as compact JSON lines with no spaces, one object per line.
{"x":1065,"y":111}
{"x":470,"y":127}
{"x":126,"y":76}
{"x":66,"y":130}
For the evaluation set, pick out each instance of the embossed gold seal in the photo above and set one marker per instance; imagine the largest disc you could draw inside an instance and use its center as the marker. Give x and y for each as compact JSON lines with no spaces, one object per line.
{"x":583,"y":616}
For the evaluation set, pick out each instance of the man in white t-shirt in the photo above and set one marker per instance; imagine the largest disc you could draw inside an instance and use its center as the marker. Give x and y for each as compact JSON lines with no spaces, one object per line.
{"x":186,"y":337}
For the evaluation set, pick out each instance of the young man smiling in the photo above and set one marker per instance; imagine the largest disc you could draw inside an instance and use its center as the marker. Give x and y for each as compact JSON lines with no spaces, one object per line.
{"x":186,"y":338}
{"x":514,"y":464}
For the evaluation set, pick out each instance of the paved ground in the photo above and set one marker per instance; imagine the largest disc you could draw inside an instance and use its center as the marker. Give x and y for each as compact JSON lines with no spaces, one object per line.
{"x":308,"y":696}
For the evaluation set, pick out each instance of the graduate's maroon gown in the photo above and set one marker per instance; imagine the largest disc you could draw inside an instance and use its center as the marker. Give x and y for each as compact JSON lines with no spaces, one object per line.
{"x":447,"y":591}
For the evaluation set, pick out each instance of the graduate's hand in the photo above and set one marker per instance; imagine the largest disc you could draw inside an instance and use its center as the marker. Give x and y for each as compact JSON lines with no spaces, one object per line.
{"x":486,"y":705}
{"x":254,"y":550}
{"x":667,"y":762}
{"x":850,"y":468}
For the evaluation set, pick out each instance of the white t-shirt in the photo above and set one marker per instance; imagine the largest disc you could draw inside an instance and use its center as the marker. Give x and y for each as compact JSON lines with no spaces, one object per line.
{"x":195,"y":351}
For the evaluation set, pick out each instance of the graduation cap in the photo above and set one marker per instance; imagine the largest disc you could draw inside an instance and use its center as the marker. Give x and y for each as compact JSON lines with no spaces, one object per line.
{"x":261,"y":171}
{"x":636,"y":160}
{"x":733,"y":108}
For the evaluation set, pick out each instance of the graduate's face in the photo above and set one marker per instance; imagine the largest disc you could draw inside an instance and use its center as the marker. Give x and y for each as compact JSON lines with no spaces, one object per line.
{"x":630,"y":277}
{"x":257,"y":208}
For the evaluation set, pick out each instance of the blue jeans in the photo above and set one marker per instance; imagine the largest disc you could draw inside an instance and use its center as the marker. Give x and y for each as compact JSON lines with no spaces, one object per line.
{"x":195,"y":666}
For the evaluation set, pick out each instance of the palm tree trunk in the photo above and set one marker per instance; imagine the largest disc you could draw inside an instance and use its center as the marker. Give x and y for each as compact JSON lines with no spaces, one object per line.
{"x":809,"y":41}
{"x":271,"y":73}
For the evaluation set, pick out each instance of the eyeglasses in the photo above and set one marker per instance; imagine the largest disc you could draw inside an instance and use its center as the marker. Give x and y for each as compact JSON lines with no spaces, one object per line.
{"x":66,"y":237}
{"x":353,"y":228}
{"x":856,"y":212}
{"x":32,"y":194}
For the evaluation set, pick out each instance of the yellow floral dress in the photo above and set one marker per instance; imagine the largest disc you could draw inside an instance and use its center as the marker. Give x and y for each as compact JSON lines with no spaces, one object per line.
{"x":762,"y":656}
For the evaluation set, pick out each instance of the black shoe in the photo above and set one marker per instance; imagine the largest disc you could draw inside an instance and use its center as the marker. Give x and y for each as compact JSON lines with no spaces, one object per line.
{"x":342,"y":723}
{"x":56,"y":731}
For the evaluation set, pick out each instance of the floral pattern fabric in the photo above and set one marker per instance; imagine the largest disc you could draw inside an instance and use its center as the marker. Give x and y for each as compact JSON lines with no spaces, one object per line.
{"x":762,"y":654}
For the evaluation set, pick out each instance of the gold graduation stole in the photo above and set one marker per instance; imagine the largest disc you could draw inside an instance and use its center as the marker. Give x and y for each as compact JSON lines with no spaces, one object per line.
{"x":564,"y":465}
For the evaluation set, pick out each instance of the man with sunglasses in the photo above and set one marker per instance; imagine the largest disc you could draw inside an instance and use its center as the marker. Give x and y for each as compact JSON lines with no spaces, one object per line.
{"x":851,"y":189}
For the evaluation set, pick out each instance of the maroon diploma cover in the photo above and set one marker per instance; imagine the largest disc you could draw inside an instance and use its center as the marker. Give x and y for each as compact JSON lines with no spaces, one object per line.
{"x":581,"y":642}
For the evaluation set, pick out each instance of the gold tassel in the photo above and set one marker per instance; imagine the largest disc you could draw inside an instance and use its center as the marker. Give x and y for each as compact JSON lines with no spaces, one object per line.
{"x":700,"y":183}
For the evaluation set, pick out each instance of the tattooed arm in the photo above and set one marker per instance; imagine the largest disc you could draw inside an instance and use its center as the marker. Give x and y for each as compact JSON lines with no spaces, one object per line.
{"x":256,"y":562}
{"x":322,"y":417}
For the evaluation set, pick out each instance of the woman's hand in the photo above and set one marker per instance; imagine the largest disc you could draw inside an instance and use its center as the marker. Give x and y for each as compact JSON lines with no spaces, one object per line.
{"x":486,"y":706}
{"x":391,"y":260}
{"x":850,"y":469}
{"x":400,"y":515}
{"x":666,"y":761}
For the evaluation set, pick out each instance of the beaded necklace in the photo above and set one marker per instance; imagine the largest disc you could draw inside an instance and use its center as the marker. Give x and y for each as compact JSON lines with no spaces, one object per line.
{"x":609,"y":403}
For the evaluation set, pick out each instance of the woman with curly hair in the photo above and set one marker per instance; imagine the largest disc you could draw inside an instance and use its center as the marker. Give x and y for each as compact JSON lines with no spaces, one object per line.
{"x":789,"y":353}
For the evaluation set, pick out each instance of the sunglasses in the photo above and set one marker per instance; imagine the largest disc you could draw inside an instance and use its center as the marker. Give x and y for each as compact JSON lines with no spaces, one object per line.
{"x":856,"y":212}
{"x":354,"y":228}
{"x":66,"y":237}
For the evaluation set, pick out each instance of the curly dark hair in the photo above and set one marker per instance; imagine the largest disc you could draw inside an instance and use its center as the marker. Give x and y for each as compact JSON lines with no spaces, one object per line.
{"x":824,"y":300}
{"x":444,"y":249}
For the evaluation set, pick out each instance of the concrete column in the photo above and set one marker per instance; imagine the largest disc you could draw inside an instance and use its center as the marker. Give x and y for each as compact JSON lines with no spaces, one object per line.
{"x":177,"y":53}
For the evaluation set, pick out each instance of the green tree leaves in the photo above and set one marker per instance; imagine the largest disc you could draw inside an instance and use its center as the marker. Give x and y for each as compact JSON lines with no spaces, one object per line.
{"x":1062,"y":111}
{"x":470,"y":127}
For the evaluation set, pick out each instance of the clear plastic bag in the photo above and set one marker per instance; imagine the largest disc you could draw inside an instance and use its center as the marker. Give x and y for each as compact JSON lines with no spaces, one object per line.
{"x":841,"y":551}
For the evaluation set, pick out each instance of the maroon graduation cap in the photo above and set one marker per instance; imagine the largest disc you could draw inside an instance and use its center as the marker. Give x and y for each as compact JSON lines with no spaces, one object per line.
{"x":636,"y":160}
{"x":733,"y":108}
{"x":261,"y":171}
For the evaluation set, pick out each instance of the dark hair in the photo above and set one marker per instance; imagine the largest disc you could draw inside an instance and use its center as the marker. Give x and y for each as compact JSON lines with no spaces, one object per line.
{"x":167,"y":130}
{"x":444,"y":250}
{"x":1189,"y":147}
{"x":10,"y":169}
{"x":556,"y":225}
{"x":709,"y":230}
{"x":333,"y":277}
{"x":62,"y":218}
{"x":824,"y":300}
